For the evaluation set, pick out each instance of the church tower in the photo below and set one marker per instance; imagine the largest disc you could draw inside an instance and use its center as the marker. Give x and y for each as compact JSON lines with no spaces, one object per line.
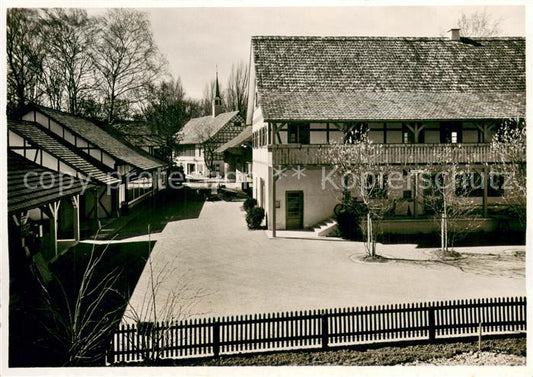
{"x":218,"y":107}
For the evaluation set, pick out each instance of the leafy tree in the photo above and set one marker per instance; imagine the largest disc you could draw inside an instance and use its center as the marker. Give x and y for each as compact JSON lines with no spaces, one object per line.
{"x":167,"y":111}
{"x":126,"y":58}
{"x":25,"y":54}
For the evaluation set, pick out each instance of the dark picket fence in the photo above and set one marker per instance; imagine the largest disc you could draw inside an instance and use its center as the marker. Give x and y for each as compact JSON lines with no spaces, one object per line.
{"x":210,"y":337}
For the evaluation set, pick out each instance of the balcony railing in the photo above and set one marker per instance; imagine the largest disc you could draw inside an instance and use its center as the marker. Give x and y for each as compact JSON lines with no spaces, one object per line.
{"x":314,"y":154}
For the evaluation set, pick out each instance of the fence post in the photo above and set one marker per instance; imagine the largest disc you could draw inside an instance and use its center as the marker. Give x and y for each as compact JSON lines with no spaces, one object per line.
{"x":110,"y":356}
{"x":216,"y":339}
{"x":325,"y":331}
{"x":431,"y":323}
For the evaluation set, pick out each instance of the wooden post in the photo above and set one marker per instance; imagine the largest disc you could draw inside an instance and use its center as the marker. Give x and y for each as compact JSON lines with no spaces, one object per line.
{"x":431,"y":324}
{"x":76,"y":221}
{"x":415,"y":195}
{"x":273,"y":196}
{"x":325,"y":331}
{"x":216,"y":339}
{"x":52,"y":210}
{"x":485,"y":178}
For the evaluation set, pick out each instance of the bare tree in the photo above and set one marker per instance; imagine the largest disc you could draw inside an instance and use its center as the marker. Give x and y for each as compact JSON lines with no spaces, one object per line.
{"x":449,"y":191}
{"x":25,"y":54}
{"x":237,"y":89}
{"x":209,"y":143}
{"x":509,"y":148}
{"x":72,"y":314}
{"x":126,"y":58}
{"x":478,"y":24}
{"x":359,"y":169}
{"x":69,"y":38}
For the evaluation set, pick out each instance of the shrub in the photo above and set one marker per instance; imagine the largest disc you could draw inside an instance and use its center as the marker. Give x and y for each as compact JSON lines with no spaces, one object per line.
{"x":255,"y":217}
{"x":249,"y":204}
{"x":347,"y":224}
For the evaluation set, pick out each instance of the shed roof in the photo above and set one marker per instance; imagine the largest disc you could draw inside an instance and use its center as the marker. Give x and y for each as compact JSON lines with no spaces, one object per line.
{"x":40,"y":138}
{"x":104,"y":139}
{"x":197,"y":129}
{"x":376,"y":78}
{"x":26,"y":191}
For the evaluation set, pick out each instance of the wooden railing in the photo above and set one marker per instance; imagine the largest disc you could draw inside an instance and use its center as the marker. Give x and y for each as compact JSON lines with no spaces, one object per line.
{"x":314,"y":154}
{"x":210,"y":337}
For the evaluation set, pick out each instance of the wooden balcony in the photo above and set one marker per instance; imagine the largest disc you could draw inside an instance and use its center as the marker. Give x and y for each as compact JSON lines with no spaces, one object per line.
{"x":402,"y":154}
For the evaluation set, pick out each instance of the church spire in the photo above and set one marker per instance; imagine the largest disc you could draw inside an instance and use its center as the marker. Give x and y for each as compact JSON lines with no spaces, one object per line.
{"x":218,"y":107}
{"x":217,"y":90}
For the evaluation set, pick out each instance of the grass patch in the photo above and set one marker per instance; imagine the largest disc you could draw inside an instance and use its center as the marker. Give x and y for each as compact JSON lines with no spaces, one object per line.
{"x":370,"y":357}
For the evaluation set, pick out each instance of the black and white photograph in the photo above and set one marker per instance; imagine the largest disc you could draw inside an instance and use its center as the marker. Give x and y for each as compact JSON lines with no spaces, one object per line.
{"x":195,"y":188}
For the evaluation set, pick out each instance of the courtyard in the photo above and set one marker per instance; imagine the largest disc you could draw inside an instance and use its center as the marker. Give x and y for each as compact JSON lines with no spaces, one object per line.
{"x":212,"y":265}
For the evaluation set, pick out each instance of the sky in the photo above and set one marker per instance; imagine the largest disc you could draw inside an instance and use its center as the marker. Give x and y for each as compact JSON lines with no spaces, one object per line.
{"x":197,"y":40}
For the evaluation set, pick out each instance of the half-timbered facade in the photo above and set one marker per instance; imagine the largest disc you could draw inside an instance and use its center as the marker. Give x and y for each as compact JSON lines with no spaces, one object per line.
{"x":200,"y":138}
{"x":141,"y":174}
{"x":413,"y":96}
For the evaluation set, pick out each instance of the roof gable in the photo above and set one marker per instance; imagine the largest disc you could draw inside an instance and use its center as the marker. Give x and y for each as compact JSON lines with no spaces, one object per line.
{"x":103,"y":139}
{"x":38,"y":137}
{"x":197,"y":129}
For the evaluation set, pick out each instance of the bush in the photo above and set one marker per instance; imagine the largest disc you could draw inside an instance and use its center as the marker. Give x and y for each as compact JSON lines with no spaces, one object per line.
{"x":255,"y":217}
{"x":347,"y":223}
{"x":249,"y":204}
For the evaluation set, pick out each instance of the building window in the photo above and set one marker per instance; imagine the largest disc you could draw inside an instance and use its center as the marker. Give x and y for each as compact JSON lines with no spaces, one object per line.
{"x":298,"y":133}
{"x":454,"y":137}
{"x":451,"y":132}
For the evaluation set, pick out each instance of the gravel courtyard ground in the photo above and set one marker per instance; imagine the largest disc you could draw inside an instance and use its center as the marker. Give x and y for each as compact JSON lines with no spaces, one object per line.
{"x":218,"y":267}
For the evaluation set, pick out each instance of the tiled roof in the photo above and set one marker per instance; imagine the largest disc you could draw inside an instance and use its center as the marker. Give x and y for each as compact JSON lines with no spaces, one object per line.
{"x":197,"y":128}
{"x":337,"y":78}
{"x":145,"y":140}
{"x":36,"y":189}
{"x":139,"y":133}
{"x":38,"y":137}
{"x":342,"y":106}
{"x":244,"y":136}
{"x":104,"y":140}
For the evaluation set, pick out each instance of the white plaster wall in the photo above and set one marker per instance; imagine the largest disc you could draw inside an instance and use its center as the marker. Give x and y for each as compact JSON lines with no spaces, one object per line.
{"x":318,"y":201}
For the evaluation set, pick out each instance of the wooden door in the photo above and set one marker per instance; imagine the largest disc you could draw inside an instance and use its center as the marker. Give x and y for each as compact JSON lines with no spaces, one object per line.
{"x":294,"y":209}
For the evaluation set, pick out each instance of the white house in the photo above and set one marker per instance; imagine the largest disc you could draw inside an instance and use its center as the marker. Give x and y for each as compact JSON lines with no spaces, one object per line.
{"x":200,"y":138}
{"x":414,"y":96}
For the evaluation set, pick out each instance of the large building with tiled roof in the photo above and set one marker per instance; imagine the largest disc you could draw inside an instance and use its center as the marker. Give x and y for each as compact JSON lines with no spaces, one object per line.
{"x":200,"y":138}
{"x":113,"y":173}
{"x":139,"y":173}
{"x":309,"y":92}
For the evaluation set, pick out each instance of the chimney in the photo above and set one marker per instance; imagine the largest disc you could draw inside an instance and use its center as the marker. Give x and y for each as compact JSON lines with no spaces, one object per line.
{"x":455,"y":34}
{"x":218,"y":107}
